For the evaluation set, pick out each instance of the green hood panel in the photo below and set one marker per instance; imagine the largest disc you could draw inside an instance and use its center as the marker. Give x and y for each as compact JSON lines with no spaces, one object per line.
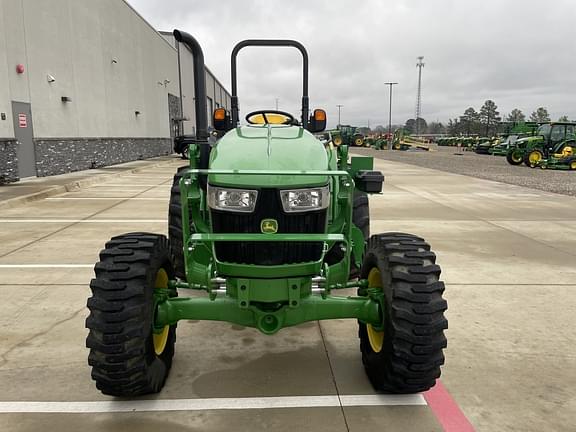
{"x":522,"y":142}
{"x":270,"y":148}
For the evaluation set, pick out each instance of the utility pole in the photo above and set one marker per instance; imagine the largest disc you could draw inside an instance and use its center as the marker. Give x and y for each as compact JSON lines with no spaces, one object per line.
{"x":277,"y":104}
{"x":389,"y":140}
{"x":419,"y":65}
{"x":339,"y":106}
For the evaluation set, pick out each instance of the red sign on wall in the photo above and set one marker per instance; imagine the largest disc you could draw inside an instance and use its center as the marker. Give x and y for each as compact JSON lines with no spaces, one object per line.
{"x":22,"y":120}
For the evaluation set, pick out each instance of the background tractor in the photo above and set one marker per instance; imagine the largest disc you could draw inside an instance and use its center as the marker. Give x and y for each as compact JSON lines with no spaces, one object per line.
{"x":347,"y":135}
{"x":265,"y":226}
{"x":551,"y":138}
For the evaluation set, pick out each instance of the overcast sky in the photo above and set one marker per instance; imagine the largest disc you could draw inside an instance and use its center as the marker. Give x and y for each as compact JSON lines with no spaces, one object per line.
{"x":521,"y":54}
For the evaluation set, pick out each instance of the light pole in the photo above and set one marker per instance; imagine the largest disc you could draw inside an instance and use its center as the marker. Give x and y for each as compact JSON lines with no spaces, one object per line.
{"x":277,"y":104}
{"x":339,"y":106}
{"x":390,"y":84}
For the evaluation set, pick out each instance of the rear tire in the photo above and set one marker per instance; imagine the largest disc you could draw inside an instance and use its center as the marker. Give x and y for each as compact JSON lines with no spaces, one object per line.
{"x":406,"y":355}
{"x":127,"y":357}
{"x":514,"y":157}
{"x":360,"y":218}
{"x":186,"y":153}
{"x":175,"y":225}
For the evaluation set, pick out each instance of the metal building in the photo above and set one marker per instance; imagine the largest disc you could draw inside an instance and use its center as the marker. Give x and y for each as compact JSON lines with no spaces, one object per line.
{"x":85,"y":84}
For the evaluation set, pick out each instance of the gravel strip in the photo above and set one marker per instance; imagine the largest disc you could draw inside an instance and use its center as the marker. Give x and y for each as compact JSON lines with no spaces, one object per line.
{"x":488,"y":167}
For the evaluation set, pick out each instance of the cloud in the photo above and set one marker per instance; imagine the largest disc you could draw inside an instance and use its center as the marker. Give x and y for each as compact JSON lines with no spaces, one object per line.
{"x":518,"y":53}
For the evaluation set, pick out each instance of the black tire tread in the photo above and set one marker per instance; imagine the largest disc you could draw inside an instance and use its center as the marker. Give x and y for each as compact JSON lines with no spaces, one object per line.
{"x":360,"y":218}
{"x":121,"y":314}
{"x":175,"y":225}
{"x":414,"y":317}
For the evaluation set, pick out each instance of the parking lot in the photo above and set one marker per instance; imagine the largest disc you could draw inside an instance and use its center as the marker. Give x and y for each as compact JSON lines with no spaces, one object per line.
{"x":507,"y":254}
{"x":467,"y":162}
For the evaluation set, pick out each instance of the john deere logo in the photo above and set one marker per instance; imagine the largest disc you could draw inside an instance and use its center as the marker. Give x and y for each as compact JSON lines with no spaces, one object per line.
{"x":269,"y":226}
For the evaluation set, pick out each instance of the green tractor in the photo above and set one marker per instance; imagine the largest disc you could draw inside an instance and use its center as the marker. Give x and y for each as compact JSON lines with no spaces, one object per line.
{"x":264,"y":226}
{"x":376,"y":142}
{"x":551,"y":138}
{"x":509,"y":133}
{"x":347,"y":135}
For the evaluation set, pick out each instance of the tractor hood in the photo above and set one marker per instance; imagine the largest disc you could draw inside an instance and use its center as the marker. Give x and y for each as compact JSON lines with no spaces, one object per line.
{"x":521,"y":142}
{"x":270,"y":148}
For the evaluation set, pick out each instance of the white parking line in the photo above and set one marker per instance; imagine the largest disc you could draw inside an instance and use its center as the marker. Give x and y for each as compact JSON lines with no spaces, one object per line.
{"x":82,"y":220}
{"x":132,"y":185}
{"x":211,"y":404}
{"x":43,"y":266}
{"x":107,"y":198}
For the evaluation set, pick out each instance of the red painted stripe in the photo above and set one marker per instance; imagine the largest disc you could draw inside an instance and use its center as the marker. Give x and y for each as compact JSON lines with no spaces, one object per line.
{"x":446,"y":410}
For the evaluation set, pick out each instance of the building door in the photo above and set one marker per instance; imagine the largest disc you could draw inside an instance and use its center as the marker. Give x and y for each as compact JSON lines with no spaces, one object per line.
{"x":24,"y":134}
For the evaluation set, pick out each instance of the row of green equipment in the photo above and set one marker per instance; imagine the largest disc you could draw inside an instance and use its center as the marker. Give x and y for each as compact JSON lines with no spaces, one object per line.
{"x":551,"y":147}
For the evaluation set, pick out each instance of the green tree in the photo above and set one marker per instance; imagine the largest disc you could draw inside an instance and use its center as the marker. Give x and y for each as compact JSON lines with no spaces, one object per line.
{"x":410,"y":126}
{"x":421,"y":125}
{"x":436,"y":128}
{"x":454,"y":127}
{"x":563,"y":118}
{"x":516,"y":116}
{"x":469,"y":121}
{"x":380,"y":129}
{"x":540,"y":115}
{"x":489,"y":116}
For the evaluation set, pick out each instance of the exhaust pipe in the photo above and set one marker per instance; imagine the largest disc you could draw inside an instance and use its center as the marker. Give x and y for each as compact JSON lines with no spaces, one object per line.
{"x":199,"y":83}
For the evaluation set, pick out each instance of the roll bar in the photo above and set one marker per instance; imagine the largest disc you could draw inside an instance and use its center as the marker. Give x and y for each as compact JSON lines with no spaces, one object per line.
{"x":271,"y":42}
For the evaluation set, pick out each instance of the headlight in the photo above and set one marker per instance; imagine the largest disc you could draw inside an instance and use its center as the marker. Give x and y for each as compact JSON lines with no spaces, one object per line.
{"x":299,"y":200}
{"x":238,"y":200}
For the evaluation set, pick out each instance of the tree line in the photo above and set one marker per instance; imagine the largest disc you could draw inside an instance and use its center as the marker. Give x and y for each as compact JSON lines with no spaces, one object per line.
{"x":472,"y":122}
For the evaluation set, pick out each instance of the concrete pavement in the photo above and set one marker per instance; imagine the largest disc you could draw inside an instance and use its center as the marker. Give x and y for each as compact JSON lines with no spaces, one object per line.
{"x":507,"y":255}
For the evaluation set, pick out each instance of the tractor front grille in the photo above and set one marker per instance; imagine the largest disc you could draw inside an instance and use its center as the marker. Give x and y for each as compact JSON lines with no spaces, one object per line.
{"x":268,"y":206}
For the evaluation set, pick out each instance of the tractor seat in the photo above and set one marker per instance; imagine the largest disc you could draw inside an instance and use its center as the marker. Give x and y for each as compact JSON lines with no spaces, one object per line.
{"x":566,"y":152}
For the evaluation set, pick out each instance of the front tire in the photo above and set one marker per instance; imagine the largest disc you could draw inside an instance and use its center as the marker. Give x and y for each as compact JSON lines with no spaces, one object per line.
{"x":358,"y":140}
{"x":128,"y":357}
{"x":404,"y":355}
{"x":533,"y":158}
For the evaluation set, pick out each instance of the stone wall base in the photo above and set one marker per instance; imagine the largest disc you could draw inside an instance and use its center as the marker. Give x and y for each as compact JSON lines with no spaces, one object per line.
{"x":61,"y":155}
{"x":8,"y":162}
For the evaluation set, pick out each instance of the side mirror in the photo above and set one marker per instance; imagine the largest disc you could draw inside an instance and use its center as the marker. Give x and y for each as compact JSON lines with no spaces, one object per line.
{"x":317,"y":121}
{"x":221,"y":120}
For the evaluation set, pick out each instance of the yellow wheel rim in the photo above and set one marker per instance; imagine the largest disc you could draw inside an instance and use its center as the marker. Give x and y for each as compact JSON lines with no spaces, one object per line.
{"x":337,"y":141}
{"x":375,"y":337}
{"x":535,"y":157}
{"x":160,"y":339}
{"x":573,"y":165}
{"x":358,"y":142}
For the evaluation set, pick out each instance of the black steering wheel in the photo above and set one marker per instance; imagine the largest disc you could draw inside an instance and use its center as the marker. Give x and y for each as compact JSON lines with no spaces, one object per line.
{"x":270,"y":117}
